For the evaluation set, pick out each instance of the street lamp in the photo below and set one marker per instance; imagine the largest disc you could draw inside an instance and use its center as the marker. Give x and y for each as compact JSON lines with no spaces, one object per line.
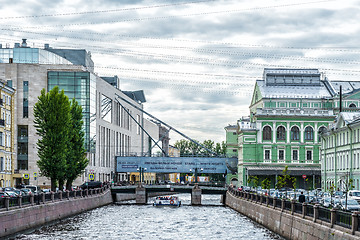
{"x":141,"y":171}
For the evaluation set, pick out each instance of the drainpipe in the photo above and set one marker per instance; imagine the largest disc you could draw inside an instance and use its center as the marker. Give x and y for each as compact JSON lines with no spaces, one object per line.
{"x":325,"y":167}
{"x":351,"y":152}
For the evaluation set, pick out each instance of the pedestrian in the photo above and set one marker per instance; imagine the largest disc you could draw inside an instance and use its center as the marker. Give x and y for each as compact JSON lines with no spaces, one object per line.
{"x":302,"y":198}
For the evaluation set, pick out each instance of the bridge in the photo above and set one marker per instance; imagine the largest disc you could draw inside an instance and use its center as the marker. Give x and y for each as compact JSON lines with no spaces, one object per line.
{"x":141,"y":192}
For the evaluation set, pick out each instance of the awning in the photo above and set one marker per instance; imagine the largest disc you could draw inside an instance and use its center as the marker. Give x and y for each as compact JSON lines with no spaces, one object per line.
{"x":292,"y":171}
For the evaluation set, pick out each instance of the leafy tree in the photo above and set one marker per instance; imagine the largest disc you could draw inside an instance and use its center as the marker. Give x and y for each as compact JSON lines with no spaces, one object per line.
{"x":183,"y":146}
{"x":187,"y":147}
{"x":254,"y":180}
{"x":76,"y":161}
{"x":220,"y":149}
{"x":52,"y":118}
{"x":265,"y":184}
{"x":283,"y":180}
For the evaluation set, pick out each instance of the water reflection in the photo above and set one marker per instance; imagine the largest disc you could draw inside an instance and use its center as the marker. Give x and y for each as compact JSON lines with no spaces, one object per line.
{"x":147,"y":222}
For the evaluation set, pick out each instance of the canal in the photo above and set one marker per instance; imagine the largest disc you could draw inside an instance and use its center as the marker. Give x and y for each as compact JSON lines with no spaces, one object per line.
{"x":129,"y":221}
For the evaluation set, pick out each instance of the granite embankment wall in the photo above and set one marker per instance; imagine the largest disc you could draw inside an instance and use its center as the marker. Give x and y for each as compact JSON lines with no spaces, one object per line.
{"x":287,"y":224}
{"x":31,"y":216}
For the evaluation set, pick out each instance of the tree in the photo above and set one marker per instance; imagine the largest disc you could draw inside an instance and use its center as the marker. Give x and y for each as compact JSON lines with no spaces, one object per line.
{"x":254,"y":180}
{"x":283,"y":180}
{"x":265,"y":184}
{"x":76,"y":160}
{"x":52,"y":118}
{"x":183,"y":146}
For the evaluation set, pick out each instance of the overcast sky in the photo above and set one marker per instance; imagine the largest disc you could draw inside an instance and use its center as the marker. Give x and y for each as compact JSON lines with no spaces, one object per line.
{"x":197,"y":61}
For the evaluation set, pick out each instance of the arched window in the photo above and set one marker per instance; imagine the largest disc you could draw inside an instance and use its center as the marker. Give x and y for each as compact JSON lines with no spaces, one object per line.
{"x":280,"y":133}
{"x":309,"y":133}
{"x":267,"y":133}
{"x":295,"y":133}
{"x":352,"y":105}
{"x":321,"y":130}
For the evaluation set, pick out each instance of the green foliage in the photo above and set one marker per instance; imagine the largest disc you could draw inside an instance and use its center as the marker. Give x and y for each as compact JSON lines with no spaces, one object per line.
{"x":76,"y":160}
{"x":254,"y":180}
{"x":284,"y":179}
{"x":187,"y":147}
{"x":265,"y":184}
{"x":60,"y":146}
{"x":52,"y":118}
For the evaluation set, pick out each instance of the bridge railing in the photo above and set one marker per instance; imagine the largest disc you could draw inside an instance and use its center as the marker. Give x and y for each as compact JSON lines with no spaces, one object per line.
{"x":347,"y":220}
{"x":8,"y":203}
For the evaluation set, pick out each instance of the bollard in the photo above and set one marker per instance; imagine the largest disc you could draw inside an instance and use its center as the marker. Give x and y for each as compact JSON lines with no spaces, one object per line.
{"x":355,"y":222}
{"x":333,"y":217}
{"x":316,"y":212}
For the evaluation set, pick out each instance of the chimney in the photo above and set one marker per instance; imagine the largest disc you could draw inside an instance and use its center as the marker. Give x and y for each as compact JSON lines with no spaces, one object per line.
{"x":24,"y":44}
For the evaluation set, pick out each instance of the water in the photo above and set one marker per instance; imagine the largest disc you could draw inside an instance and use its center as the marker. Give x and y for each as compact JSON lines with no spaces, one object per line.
{"x":128,"y":221}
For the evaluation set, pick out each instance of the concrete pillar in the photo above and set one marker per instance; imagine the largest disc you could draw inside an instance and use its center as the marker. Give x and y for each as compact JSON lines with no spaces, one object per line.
{"x":293,"y":206}
{"x":67,"y":195}
{"x":261,"y":199}
{"x":140,"y":195}
{"x":282,"y":205}
{"x":196,"y":195}
{"x":304,"y":209}
{"x":333,"y":217}
{"x":80,"y":193}
{"x":267,"y":201}
{"x":31,"y":199}
{"x":223,"y":199}
{"x":355,"y":222}
{"x":42,"y":197}
{"x":274,"y":202}
{"x":86,"y":192}
{"x":60,"y":195}
{"x":52,"y":196}
{"x":7,"y":203}
{"x":20,"y":201}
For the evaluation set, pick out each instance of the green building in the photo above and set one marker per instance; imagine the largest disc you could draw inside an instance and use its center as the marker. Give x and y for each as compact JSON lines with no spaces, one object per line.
{"x":289,"y":108}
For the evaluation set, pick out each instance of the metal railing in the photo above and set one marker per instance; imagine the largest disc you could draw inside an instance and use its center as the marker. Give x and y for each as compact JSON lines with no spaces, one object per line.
{"x":347,"y":220}
{"x":8,"y":202}
{"x":343,"y":219}
{"x":324,"y":214}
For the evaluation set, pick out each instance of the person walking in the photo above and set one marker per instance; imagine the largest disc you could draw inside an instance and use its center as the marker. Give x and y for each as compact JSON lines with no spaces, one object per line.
{"x":302,"y":198}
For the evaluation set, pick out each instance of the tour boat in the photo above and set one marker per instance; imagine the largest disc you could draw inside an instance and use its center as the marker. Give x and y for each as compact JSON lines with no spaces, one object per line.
{"x":167,"y":201}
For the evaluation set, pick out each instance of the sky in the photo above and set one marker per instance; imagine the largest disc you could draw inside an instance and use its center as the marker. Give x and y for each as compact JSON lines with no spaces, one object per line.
{"x":197,"y":61}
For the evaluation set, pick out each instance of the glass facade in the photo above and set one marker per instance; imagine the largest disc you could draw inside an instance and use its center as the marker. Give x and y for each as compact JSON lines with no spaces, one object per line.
{"x":82,"y":87}
{"x":25,"y":99}
{"x":30,"y":55}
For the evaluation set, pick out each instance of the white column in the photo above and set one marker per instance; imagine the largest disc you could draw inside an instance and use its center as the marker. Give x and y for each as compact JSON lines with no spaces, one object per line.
{"x":288,"y":132}
{"x":302,"y":132}
{"x":316,"y":133}
{"x":274,"y":132}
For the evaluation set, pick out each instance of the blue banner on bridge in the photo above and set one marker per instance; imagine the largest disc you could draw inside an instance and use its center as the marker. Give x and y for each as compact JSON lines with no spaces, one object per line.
{"x":171,"y":164}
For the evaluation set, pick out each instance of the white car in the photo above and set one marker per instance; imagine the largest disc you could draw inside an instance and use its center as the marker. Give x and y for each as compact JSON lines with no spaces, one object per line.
{"x":354,"y":194}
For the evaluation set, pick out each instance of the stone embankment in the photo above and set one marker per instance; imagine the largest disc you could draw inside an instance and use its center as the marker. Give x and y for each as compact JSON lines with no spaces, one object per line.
{"x":294,"y":220}
{"x":21,"y":214}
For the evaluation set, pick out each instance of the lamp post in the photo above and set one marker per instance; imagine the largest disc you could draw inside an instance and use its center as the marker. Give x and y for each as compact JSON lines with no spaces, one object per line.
{"x":196,"y":172}
{"x":141,"y":171}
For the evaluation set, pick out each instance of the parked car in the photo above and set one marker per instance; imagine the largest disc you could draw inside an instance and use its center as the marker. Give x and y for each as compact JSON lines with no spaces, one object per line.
{"x":27,"y":191}
{"x":3,"y":194}
{"x":11,"y":194}
{"x":354,"y":194}
{"x":91,"y":185}
{"x":34,"y":189}
{"x":350,"y":205}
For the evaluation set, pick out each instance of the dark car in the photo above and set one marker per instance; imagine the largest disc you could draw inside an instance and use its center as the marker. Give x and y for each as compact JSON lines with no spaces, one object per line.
{"x":91,"y":185}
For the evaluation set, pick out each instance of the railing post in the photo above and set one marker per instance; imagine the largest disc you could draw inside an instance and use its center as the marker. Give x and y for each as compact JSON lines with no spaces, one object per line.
{"x":282,"y":205}
{"x":67,"y":194}
{"x":31,"y":198}
{"x":293,"y":201}
{"x":87,"y":192}
{"x":355,"y":222}
{"x":267,"y":201}
{"x":7,"y":203}
{"x":304,"y":209}
{"x":80,"y":193}
{"x":261,"y":199}
{"x":42,"y":197}
{"x":75,"y":193}
{"x":274,"y":202}
{"x":20,"y":201}
{"x":333,"y":217}
{"x":52,"y":196}
{"x":316,"y":212}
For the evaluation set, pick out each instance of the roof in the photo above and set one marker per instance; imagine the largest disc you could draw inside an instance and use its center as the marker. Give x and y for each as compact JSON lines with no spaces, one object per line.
{"x":138,"y":96}
{"x":293,"y":91}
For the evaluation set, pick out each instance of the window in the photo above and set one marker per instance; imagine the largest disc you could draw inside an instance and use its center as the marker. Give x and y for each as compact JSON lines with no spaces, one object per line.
{"x":281,"y":155}
{"x":25,"y":99}
{"x":267,"y":133}
{"x":295,"y":155}
{"x":295,"y":133}
{"x":352,"y":105}
{"x":138,"y":124}
{"x":308,"y":155}
{"x":234,"y":133}
{"x":234,"y":150}
{"x":267,"y":154}
{"x":309,"y":133}
{"x":321,"y":131}
{"x":280,"y":133}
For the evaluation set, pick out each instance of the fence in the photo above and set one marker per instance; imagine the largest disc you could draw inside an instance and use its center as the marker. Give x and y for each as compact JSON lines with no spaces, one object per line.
{"x":7,"y":203}
{"x":332,"y":216}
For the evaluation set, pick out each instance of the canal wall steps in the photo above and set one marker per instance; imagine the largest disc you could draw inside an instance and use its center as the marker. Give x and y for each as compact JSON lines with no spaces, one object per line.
{"x":290,"y":226}
{"x":21,"y":219}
